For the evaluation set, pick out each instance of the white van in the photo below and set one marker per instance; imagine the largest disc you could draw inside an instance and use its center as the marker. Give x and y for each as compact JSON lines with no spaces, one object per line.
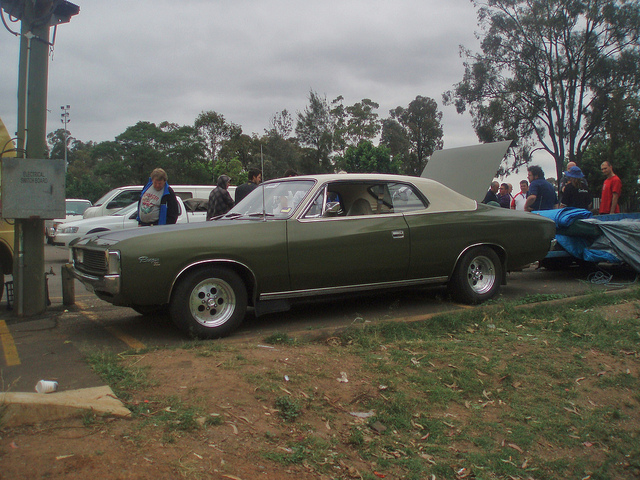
{"x":123,"y":196}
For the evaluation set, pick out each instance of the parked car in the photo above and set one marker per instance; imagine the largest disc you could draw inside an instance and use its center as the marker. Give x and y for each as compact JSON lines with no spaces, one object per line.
{"x":311,"y":236}
{"x":120,"y":197}
{"x":75,"y":208}
{"x":122,"y":219}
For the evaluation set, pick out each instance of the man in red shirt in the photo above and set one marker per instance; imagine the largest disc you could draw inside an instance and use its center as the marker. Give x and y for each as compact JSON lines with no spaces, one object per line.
{"x":611,"y":189}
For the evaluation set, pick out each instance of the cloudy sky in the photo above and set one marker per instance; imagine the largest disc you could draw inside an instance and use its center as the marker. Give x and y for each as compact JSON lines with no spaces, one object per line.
{"x":120,"y":62}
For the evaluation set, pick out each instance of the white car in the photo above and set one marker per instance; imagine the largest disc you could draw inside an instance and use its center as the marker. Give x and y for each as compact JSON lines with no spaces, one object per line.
{"x":75,"y":207}
{"x":120,"y":197}
{"x":195,"y":211}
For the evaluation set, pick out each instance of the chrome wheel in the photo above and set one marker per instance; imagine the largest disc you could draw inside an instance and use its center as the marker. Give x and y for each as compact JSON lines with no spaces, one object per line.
{"x":212,"y":302}
{"x":477,"y":276}
{"x":481,"y":275}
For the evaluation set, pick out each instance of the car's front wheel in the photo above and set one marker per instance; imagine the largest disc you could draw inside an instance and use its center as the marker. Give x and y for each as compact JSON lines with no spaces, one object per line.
{"x":209,"y":302}
{"x":477,"y":276}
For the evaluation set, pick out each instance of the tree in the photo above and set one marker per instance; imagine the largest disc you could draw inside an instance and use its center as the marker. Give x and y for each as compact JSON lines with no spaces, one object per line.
{"x":547,"y":71}
{"x":413,"y":133}
{"x":619,"y":145}
{"x":315,"y":129}
{"x":280,"y":125}
{"x":354,"y":123}
{"x":215,"y":130}
{"x":367,"y":158}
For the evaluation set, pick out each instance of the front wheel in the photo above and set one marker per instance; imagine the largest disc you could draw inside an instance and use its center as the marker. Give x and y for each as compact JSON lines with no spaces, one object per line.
{"x":477,"y":276}
{"x":209,"y":302}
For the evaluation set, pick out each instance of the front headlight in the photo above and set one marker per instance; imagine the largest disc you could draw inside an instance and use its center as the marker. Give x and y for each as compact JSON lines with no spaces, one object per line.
{"x":69,"y":230}
{"x":113,"y":262}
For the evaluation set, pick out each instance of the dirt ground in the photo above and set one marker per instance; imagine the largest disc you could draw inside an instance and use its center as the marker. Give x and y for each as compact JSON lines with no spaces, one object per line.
{"x":237,"y":425}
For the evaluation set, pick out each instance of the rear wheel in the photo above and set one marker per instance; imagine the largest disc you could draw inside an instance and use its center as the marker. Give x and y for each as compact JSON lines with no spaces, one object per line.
{"x":209,"y":302}
{"x":477,"y":276}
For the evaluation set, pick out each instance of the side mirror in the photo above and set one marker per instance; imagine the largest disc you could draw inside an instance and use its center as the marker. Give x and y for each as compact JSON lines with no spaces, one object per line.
{"x":333,"y":209}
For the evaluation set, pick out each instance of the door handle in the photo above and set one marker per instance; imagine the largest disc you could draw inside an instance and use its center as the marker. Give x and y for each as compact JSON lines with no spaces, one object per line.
{"x":397,"y":234}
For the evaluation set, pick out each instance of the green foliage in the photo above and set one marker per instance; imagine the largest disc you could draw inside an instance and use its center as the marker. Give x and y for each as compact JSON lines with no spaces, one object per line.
{"x":366,"y":158}
{"x":288,"y":408}
{"x":232,"y":168}
{"x":548,"y":73}
{"x":412,"y":134}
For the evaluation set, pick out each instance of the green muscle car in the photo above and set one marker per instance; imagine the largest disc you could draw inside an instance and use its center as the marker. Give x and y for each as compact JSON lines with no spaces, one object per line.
{"x":310,"y":236}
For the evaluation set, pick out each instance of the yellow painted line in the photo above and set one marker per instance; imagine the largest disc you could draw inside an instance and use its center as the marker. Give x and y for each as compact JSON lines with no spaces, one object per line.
{"x":8,"y":346}
{"x":116,"y":332}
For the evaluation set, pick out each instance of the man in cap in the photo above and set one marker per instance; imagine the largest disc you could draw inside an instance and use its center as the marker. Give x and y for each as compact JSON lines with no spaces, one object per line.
{"x":576,"y":194}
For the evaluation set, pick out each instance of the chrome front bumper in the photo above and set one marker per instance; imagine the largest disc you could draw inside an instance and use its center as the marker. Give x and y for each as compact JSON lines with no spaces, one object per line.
{"x":107,"y":284}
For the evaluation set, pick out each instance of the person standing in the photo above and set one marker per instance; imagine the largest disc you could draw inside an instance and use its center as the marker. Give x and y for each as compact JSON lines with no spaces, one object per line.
{"x":220,"y":201}
{"x":491,"y":195}
{"x":158,"y":204}
{"x":575,"y":193}
{"x":521,"y":197}
{"x":542,"y":195}
{"x":611,"y":189}
{"x":504,"y":199}
{"x":255,"y":177}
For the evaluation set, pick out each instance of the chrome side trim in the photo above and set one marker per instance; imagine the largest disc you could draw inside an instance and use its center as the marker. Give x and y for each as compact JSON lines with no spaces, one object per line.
{"x":351,"y":288}
{"x":353,"y":217}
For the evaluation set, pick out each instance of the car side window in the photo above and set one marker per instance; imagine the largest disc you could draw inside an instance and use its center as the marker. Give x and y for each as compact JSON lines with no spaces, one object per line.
{"x":405,"y":199}
{"x":315,"y":209}
{"x":125,"y":198}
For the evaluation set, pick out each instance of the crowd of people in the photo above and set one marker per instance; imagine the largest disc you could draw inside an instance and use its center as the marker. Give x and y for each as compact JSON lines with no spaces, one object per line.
{"x":536,"y":193}
{"x":158,"y":204}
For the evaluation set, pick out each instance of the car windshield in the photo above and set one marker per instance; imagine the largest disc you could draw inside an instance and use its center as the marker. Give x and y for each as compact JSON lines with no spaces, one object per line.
{"x":75,"y":207}
{"x":276,"y":199}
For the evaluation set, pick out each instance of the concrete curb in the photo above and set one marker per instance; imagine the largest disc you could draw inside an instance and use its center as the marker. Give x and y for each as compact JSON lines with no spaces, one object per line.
{"x":29,"y":408}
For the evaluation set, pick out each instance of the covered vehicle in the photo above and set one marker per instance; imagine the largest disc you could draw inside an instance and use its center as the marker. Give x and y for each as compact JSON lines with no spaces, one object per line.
{"x":312,"y":236}
{"x":583,"y":237}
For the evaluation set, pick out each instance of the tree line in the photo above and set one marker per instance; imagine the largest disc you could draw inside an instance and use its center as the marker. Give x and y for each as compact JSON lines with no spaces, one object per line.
{"x":562,"y":76}
{"x":325,"y":137}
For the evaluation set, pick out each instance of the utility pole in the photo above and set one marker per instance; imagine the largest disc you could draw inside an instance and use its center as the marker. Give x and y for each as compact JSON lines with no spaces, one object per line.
{"x":36,"y":16}
{"x":64,"y":118}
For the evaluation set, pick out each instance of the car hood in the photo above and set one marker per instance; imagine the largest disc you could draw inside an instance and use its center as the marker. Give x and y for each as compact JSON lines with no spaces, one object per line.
{"x":115,"y":236}
{"x":467,"y":170}
{"x":95,"y":221}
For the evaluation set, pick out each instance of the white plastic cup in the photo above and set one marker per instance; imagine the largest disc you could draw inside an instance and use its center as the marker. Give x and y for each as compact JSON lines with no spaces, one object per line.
{"x":46,"y":386}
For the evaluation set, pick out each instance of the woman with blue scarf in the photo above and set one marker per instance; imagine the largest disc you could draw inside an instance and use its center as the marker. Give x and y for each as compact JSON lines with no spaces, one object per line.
{"x":158,"y":204}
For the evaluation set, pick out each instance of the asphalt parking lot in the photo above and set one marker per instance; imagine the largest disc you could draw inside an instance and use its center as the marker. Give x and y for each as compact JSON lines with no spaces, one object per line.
{"x":53,"y":346}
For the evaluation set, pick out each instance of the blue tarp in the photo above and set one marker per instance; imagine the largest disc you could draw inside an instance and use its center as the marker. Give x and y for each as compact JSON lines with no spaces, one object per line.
{"x":619,"y":241}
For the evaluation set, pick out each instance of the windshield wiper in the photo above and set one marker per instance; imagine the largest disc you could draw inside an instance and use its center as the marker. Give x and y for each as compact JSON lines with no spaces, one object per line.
{"x":261,"y":214}
{"x":232,"y":215}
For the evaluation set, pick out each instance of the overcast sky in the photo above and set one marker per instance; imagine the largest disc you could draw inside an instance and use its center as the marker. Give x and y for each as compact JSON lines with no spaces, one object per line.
{"x":120,"y":62}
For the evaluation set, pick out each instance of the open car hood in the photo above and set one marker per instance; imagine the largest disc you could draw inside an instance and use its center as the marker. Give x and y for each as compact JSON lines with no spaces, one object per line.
{"x":467,"y":170}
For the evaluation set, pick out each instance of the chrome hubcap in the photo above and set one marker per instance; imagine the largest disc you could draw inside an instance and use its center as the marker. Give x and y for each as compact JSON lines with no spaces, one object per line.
{"x":481,"y":275}
{"x":212,"y":302}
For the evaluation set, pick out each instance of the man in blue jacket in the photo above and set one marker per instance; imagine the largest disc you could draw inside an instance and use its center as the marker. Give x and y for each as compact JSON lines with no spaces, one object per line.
{"x":542,"y":195}
{"x":158,"y":204}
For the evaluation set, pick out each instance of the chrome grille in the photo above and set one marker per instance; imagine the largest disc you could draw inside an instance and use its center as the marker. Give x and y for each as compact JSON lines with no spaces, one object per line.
{"x":90,"y":261}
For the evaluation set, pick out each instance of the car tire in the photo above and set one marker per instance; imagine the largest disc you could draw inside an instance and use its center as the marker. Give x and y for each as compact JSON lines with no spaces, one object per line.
{"x":209,"y":302}
{"x":477,"y":276}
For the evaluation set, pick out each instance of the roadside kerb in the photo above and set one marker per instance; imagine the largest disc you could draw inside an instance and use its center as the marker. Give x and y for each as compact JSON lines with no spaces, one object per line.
{"x":20,"y":408}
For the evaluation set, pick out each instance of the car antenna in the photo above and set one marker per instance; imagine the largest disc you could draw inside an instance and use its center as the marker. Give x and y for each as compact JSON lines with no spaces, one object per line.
{"x":264,"y":209}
